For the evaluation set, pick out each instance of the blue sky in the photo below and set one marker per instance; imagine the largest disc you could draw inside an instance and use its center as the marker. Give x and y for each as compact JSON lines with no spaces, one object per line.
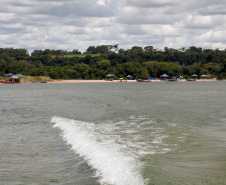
{"x":78,"y":24}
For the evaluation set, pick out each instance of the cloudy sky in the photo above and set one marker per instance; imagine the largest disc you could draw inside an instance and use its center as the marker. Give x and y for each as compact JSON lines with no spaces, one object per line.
{"x":78,"y":24}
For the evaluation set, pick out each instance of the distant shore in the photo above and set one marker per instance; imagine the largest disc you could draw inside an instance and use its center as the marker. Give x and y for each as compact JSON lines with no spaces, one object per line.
{"x":106,"y":81}
{"x":87,"y":81}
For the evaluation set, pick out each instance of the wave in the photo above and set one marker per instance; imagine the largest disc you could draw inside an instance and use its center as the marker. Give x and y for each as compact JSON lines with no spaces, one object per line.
{"x":114,"y":164}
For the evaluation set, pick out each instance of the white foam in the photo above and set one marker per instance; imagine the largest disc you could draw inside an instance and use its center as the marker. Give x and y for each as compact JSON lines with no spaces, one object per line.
{"x":114,"y":166}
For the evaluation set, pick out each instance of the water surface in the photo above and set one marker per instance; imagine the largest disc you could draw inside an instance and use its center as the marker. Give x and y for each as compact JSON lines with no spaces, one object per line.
{"x":113,"y":133}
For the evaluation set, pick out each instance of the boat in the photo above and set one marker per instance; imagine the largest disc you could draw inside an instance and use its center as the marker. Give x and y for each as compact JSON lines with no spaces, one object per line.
{"x":7,"y":82}
{"x":143,"y":80}
{"x":173,"y":80}
{"x":38,"y":81}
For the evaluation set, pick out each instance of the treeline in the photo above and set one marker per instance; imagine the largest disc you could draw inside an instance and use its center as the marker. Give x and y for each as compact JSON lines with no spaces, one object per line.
{"x":138,"y":62}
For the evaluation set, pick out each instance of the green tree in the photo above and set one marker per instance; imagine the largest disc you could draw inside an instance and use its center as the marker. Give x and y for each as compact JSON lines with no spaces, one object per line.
{"x":91,"y":50}
{"x":135,"y":69}
{"x":149,"y":49}
{"x":83,"y":70}
{"x":37,"y":53}
{"x":137,"y":50}
{"x":2,"y":66}
{"x":152,"y":67}
{"x":47,"y":52}
{"x":103,"y":64}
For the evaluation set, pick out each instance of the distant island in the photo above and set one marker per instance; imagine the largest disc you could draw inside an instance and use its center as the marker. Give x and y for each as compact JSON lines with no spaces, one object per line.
{"x":97,"y":61}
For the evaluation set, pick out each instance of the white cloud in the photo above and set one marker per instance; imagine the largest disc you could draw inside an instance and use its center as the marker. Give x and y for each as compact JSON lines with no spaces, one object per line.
{"x":69,"y":24}
{"x":148,"y":4}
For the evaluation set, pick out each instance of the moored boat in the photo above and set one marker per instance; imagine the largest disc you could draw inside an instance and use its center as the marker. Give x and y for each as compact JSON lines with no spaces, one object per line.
{"x":38,"y":81}
{"x":7,"y":82}
{"x":143,"y":80}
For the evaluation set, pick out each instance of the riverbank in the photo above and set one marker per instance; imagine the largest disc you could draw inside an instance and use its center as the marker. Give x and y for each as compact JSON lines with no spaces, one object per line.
{"x":106,"y":81}
{"x":87,"y":81}
{"x":48,"y":80}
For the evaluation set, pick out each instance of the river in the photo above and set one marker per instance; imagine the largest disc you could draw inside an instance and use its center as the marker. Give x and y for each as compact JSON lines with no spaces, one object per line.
{"x":113,"y":133}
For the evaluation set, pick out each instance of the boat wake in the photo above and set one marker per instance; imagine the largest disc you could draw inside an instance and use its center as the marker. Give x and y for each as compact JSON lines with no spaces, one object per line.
{"x":113,"y":163}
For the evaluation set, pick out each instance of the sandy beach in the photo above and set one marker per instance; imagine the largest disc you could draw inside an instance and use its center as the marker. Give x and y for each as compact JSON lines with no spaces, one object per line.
{"x":106,"y":81}
{"x":113,"y":81}
{"x":87,"y":81}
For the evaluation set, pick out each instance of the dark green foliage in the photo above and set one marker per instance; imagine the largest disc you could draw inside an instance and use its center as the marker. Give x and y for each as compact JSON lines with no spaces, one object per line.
{"x":98,"y":61}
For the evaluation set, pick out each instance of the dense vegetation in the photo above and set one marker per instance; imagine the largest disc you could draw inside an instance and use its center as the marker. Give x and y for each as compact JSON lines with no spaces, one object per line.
{"x":98,"y":61}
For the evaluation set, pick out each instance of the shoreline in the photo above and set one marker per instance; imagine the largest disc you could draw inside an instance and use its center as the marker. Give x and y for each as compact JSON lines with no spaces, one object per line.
{"x":116,"y":81}
{"x":105,"y":81}
{"x":86,"y":81}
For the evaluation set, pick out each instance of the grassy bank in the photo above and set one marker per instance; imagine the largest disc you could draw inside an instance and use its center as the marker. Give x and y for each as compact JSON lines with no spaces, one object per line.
{"x":36,"y":78}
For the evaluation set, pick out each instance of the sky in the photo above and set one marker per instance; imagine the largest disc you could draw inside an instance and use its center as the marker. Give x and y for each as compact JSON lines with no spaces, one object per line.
{"x":78,"y":24}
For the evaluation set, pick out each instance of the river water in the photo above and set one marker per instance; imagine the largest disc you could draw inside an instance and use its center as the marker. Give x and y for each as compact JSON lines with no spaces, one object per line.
{"x":113,"y":133}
